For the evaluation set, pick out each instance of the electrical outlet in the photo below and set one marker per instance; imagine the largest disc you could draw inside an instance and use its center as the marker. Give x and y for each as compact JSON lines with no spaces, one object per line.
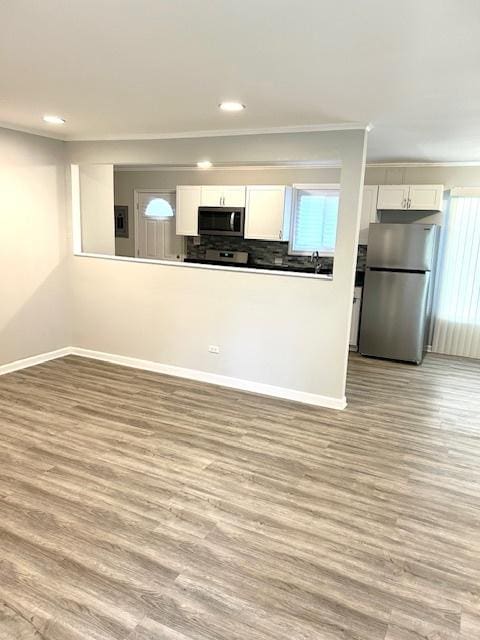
{"x":214,"y":349}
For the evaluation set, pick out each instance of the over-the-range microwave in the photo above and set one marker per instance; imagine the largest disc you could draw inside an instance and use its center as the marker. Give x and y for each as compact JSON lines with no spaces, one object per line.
{"x":221,"y":221}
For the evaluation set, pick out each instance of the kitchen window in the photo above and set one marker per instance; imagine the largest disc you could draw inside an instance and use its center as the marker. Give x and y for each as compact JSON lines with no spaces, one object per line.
{"x":314,"y":219}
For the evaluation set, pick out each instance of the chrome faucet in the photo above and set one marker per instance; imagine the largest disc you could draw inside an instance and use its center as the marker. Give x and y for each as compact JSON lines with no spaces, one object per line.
{"x":316,"y":261}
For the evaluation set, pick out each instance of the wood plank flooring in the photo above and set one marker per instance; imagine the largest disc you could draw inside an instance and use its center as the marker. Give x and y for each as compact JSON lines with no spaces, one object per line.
{"x":135,"y":506}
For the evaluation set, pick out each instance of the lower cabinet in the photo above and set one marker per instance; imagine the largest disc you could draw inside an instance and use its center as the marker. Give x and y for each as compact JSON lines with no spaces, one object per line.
{"x":267,"y":213}
{"x":355,"y":326}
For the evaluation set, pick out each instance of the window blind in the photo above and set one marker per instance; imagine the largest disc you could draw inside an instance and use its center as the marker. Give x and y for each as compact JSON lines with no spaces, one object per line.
{"x":457,"y":324}
{"x":315,"y":220}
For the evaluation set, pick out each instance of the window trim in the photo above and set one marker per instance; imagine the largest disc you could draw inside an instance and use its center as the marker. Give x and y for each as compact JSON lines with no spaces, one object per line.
{"x":295,"y":188}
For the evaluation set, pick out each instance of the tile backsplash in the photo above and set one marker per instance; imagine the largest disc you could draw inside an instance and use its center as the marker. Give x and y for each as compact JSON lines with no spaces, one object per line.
{"x":261,"y":251}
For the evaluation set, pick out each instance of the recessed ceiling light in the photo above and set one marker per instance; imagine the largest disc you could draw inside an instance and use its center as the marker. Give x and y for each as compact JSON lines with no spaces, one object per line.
{"x":231,"y":106}
{"x":204,"y":164}
{"x":53,"y":119}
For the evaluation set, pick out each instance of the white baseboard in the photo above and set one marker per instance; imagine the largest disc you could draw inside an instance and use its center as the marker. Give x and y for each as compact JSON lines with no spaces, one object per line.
{"x":181,"y":372}
{"x":33,"y":360}
{"x":214,"y":378}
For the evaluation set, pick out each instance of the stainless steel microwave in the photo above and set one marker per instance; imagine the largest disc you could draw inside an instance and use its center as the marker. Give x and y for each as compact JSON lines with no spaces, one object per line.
{"x":221,"y":221}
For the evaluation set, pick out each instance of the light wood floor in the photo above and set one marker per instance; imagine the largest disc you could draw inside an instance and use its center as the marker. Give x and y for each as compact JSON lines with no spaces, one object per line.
{"x":136,"y":506}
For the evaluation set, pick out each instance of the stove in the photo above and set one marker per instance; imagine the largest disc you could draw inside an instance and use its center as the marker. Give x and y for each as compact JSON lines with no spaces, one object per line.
{"x":231,"y":258}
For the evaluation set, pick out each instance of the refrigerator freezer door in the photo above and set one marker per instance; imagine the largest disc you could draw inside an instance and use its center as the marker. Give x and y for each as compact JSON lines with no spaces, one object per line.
{"x":401,"y":246}
{"x":394,"y":315}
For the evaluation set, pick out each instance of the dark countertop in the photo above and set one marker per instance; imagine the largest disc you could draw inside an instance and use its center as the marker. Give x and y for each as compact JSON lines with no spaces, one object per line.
{"x":297,"y":268}
{"x":268,"y":267}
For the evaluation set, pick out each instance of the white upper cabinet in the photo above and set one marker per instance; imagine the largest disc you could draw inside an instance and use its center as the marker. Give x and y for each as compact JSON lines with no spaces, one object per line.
{"x":212,"y":196}
{"x":186,"y":210}
{"x":223,"y":196}
{"x":414,"y":197}
{"x":369,"y":212}
{"x":425,"y":197}
{"x":268,"y":211}
{"x":393,"y":196}
{"x":234,"y":197}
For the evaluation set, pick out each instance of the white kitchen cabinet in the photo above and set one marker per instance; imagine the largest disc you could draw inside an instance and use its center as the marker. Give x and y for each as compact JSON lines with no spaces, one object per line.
{"x":211,"y":196}
{"x":413,"y":197}
{"x":355,"y":326}
{"x":267,"y":213}
{"x":393,"y":196}
{"x":425,"y":197}
{"x":223,"y":196}
{"x":234,"y":197}
{"x":186,"y":210}
{"x":369,"y":211}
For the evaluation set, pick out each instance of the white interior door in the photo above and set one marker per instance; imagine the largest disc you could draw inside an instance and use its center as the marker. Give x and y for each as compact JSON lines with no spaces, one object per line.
{"x":156,"y":237}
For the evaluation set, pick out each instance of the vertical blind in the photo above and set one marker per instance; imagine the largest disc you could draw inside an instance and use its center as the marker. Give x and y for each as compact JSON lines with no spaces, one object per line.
{"x":457,"y":325}
{"x":315,"y":220}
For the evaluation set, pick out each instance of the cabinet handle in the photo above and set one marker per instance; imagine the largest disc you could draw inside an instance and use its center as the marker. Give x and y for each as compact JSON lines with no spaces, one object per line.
{"x":280,"y":234}
{"x":409,"y":203}
{"x":404,"y":203}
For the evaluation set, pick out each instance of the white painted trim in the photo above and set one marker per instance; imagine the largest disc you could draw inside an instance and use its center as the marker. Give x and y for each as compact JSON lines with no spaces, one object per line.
{"x":32,"y":131}
{"x":146,"y":168}
{"x":465,"y":192}
{"x":218,"y":133}
{"x":180,"y":372}
{"x":394,"y":165}
{"x":334,"y":186}
{"x":16,"y":365}
{"x":292,"y":165}
{"x":76,"y":208}
{"x":214,"y":378}
{"x":214,"y":267}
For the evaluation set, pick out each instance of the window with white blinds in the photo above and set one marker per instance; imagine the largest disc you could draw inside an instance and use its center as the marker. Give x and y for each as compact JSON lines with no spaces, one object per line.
{"x":457,"y":323}
{"x":314,"y":220}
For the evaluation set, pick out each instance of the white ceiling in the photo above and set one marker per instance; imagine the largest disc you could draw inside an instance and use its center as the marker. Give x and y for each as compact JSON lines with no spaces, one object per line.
{"x":116,"y":68}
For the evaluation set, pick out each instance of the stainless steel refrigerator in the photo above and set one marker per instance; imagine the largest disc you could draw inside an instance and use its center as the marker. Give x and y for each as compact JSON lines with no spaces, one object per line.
{"x":398,"y":291}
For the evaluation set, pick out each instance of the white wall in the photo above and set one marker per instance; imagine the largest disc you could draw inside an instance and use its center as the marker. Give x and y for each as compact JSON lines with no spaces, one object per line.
{"x":282,"y":331}
{"x":33,"y":246}
{"x":96,"y":204}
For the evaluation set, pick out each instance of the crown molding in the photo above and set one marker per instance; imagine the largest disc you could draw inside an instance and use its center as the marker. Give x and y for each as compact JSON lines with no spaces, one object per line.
{"x":32,"y":132}
{"x":217,"y":133}
{"x":399,"y":165}
{"x":226,"y":167}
